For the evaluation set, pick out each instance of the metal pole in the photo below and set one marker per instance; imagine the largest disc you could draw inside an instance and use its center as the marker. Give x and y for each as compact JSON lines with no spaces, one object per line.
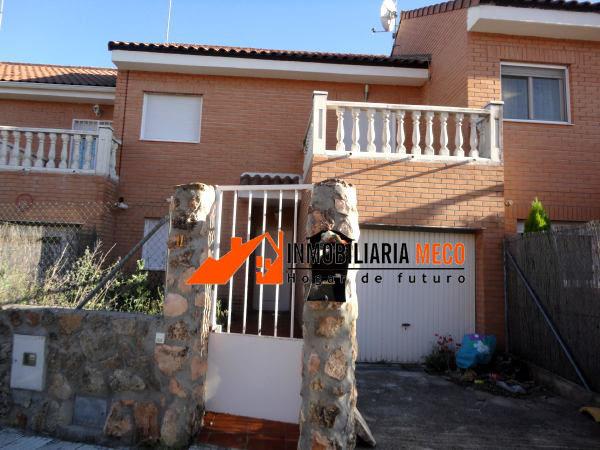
{"x":1,"y":12}
{"x":168,"y":21}
{"x":121,"y":263}
{"x":506,"y":327}
{"x":548,"y":320}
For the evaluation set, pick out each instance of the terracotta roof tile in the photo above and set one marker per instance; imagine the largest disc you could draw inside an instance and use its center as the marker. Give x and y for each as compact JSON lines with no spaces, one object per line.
{"x":44,"y":73}
{"x":262,"y":179}
{"x":540,"y":4}
{"x":418,"y":61}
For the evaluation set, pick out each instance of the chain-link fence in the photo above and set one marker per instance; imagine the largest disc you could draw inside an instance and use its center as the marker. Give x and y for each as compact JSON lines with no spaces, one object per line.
{"x":56,"y":253}
{"x":562,"y":268}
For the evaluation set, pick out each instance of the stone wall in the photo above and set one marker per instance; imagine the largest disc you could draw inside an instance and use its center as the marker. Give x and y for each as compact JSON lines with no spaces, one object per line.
{"x":109,"y":377}
{"x":327,"y":415}
{"x":103,"y":357}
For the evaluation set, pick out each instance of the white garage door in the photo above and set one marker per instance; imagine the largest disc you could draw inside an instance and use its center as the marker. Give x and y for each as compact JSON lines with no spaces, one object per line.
{"x":398,"y":320}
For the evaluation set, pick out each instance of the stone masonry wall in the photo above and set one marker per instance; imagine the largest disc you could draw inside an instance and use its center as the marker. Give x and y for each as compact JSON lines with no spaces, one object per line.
{"x":327,"y":417}
{"x":90,"y":354}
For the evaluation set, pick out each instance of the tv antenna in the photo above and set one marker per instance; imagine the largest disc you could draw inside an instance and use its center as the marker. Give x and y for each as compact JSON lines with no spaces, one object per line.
{"x":168,"y":21}
{"x":388,"y":13}
{"x":1,"y":12}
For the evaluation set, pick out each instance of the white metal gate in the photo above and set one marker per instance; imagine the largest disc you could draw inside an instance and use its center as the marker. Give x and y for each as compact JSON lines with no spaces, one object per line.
{"x":251,"y":371}
{"x":398,"y":321}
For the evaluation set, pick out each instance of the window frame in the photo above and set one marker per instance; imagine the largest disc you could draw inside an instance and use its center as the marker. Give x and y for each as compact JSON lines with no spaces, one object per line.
{"x":565,"y":97}
{"x":170,"y":94}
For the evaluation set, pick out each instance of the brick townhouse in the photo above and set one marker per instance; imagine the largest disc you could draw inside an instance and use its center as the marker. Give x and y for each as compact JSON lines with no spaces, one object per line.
{"x":481,"y":107}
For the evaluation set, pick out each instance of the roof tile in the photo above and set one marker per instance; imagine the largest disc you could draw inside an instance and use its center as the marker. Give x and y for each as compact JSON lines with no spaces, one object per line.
{"x":418,"y":61}
{"x":71,"y":75}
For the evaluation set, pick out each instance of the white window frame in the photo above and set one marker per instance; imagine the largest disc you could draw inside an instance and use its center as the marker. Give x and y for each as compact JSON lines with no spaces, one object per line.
{"x":143,"y":124}
{"x":99,"y":123}
{"x":567,"y":97}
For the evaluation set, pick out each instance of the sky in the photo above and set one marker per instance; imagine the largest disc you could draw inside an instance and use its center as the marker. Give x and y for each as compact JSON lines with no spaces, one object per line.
{"x":76,"y":32}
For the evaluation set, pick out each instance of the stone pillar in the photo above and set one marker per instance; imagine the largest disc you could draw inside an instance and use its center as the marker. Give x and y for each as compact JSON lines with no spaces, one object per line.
{"x":327,"y":418}
{"x":182,"y":359}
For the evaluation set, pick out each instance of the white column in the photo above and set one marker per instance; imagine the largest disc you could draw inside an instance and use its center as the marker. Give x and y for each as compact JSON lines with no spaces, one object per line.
{"x":494,"y":138}
{"x":319,"y":117}
{"x":113,"y":159}
{"x":474,"y":152}
{"x":429,"y":133}
{"x":63,"y":164}
{"x":355,"y":130}
{"x":385,"y":132}
{"x":39,"y":156}
{"x":75,"y":163}
{"x":400,"y":136}
{"x":371,"y":131}
{"x":27,"y":153}
{"x":52,"y":152}
{"x":444,"y":150}
{"x":104,"y":150}
{"x":3,"y":147}
{"x":340,"y":146}
{"x":416,"y":134}
{"x":14,"y":154}
{"x":458,"y":138}
{"x":87,"y":155}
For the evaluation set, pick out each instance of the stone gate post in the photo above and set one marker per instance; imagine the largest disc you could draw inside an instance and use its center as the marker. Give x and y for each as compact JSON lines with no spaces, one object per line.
{"x":182,"y":359}
{"x":327,"y":417}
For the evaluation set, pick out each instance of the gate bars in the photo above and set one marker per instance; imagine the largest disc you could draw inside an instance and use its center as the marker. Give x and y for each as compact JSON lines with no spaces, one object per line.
{"x":260,"y":192}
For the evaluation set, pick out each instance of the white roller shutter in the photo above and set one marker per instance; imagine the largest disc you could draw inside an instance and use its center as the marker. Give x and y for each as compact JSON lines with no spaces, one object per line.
{"x":444,"y":308}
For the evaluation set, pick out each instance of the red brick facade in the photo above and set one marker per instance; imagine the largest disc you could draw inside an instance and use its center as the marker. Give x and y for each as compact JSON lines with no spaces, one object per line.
{"x":258,"y":125}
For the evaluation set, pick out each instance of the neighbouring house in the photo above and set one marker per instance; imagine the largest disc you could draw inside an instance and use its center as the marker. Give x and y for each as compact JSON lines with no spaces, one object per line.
{"x":481,"y":106}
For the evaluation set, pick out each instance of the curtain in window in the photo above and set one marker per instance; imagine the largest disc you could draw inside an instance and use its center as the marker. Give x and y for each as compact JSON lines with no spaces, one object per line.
{"x":515,"y":95}
{"x":547,"y":104}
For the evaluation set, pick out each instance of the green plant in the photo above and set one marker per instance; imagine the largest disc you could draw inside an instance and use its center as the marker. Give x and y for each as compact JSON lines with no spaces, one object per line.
{"x":441,"y":359}
{"x":221,"y":313}
{"x":66,"y":282}
{"x":538,"y":219}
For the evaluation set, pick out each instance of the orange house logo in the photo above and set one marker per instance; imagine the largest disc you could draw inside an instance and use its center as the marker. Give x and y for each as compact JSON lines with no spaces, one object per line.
{"x":220,"y":271}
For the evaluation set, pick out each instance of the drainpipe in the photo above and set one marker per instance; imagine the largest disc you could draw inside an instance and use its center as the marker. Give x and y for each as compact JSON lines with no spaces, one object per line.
{"x":366,"y":92}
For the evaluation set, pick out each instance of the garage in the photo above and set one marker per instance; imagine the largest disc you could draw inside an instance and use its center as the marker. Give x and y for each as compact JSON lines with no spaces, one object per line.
{"x":400,"y":315}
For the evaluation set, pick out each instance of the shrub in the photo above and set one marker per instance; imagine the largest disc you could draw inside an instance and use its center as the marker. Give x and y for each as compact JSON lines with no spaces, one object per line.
{"x":441,"y":359}
{"x":538,"y":219}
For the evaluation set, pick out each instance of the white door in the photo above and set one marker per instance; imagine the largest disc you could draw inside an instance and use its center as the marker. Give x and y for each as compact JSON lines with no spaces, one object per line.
{"x":398,"y":321}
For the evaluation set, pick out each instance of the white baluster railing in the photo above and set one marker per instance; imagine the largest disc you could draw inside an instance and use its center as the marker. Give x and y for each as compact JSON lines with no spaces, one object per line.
{"x":398,"y":131}
{"x":58,"y":150}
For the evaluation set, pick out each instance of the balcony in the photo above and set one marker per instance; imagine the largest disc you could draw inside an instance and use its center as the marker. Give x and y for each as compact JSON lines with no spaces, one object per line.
{"x":59,"y":151}
{"x":403,"y":132}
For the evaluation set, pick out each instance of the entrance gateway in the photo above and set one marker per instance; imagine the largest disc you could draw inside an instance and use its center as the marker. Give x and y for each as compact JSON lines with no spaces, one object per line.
{"x":255,"y":350}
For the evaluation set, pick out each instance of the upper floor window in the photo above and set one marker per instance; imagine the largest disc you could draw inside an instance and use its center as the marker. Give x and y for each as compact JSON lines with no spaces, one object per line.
{"x":537,"y":93}
{"x":174,"y":118}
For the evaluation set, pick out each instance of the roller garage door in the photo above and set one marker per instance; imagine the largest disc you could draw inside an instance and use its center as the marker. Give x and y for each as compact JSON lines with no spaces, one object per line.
{"x":398,"y":320}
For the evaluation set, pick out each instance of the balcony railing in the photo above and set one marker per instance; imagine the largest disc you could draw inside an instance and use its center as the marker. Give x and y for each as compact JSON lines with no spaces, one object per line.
{"x":433,"y":133}
{"x":58,"y":150}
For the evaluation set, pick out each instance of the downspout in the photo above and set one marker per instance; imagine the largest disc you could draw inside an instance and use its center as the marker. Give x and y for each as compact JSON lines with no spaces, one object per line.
{"x":124,"y":120}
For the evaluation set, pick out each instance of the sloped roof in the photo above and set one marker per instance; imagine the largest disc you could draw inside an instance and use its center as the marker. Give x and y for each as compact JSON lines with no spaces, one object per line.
{"x":52,"y":74}
{"x":414,"y":61}
{"x":540,"y":4}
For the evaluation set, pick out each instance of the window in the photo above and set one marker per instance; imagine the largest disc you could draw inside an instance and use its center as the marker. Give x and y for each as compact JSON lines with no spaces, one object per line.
{"x":174,"y":118}
{"x":154,"y":250}
{"x":535,"y":93}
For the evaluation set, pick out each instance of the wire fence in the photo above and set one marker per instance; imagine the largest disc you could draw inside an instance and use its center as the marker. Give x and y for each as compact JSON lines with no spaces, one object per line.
{"x":56,"y":253}
{"x":562,"y":267}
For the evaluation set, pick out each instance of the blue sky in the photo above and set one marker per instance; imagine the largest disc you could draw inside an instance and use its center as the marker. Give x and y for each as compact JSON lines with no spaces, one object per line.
{"x":76,"y":32}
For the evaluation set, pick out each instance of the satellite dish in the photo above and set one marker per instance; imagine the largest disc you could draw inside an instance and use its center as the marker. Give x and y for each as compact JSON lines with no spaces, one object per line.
{"x":387,"y":14}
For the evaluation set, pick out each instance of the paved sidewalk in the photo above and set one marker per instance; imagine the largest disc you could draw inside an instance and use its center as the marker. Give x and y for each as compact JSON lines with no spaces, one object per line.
{"x":11,"y":439}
